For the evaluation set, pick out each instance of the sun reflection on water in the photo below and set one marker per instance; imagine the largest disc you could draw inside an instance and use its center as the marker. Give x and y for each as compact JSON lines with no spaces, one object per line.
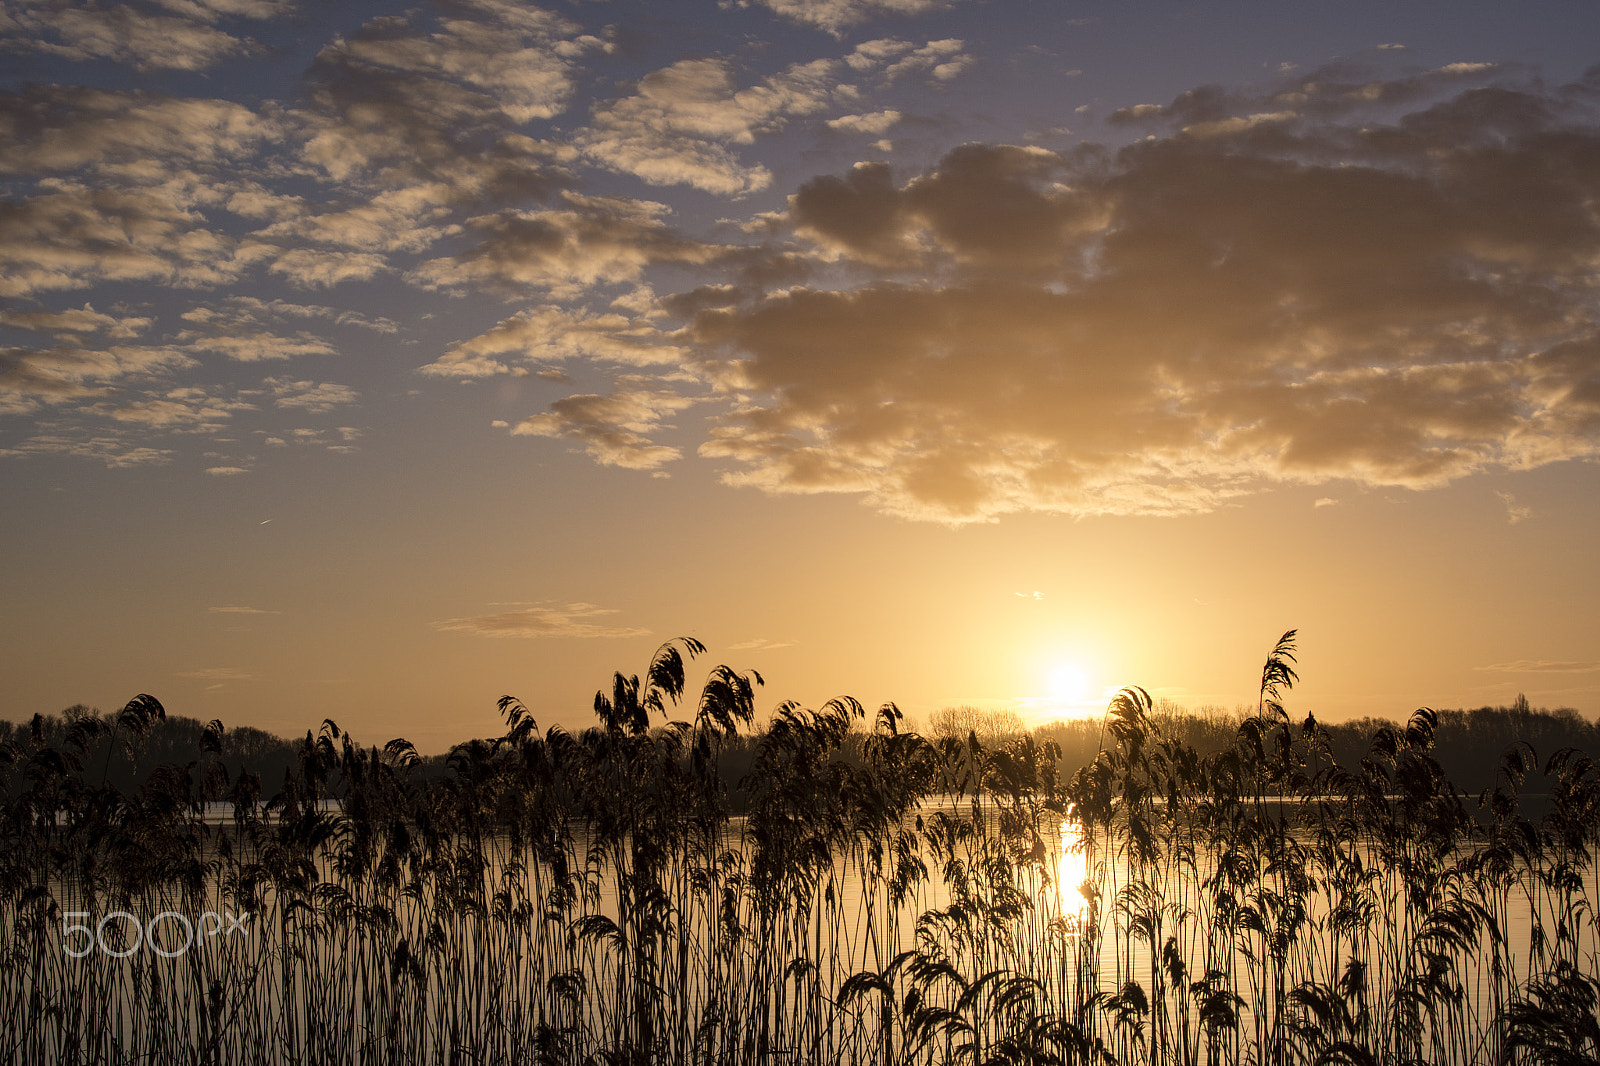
{"x":1073,"y":871}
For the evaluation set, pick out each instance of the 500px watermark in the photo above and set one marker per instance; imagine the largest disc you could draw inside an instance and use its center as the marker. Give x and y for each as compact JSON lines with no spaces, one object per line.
{"x":145,"y":933}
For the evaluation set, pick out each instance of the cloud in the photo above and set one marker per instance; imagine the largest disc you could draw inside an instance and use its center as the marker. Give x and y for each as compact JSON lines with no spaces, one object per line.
{"x":589,"y":241}
{"x":1333,"y":91}
{"x":835,"y":16}
{"x":1136,"y":112}
{"x":760,"y":644}
{"x":257,"y":346}
{"x":115,"y":452}
{"x":216,"y":673}
{"x":71,"y":236}
{"x":339,"y":316}
{"x":317,"y":268}
{"x":1514,"y":511}
{"x":676,"y":128}
{"x":340,"y":439}
{"x":244,"y":329}
{"x":942,"y":60}
{"x":317,"y":398}
{"x":1542,"y":666}
{"x":121,"y":33}
{"x":872,"y":124}
{"x":226,"y":471}
{"x":180,"y":410}
{"x":995,"y":206}
{"x":409,"y":102}
{"x":212,"y":10}
{"x":396,"y":220}
{"x":513,"y":54}
{"x":29,"y":377}
{"x":567,"y":620}
{"x":1165,"y":327}
{"x":54,"y":129}
{"x":1324,"y":501}
{"x":612,"y":427}
{"x":553,"y":335}
{"x":74,"y":322}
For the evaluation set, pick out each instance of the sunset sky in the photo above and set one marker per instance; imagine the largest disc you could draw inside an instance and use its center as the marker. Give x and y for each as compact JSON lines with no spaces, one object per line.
{"x":369,"y":361}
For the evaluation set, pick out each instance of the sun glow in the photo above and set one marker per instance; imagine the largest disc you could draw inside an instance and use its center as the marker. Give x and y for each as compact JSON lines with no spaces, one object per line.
{"x":1069,"y":683}
{"x":1063,"y":689}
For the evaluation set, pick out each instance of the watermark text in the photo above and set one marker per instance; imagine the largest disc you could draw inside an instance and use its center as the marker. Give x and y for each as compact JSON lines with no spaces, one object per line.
{"x":169,"y":934}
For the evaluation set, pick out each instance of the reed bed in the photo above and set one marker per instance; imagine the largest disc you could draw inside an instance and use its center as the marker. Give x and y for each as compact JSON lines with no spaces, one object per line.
{"x":875,"y":898}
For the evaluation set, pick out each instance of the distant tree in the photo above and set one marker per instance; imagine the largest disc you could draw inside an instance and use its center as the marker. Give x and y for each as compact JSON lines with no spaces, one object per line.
{"x":125,"y":758}
{"x":993,"y":727}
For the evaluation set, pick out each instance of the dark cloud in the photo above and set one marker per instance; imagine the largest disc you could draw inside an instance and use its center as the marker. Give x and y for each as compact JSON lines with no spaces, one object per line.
{"x":31,"y":377}
{"x":1331,"y":91}
{"x":71,"y":236}
{"x":1001,"y":206}
{"x":50,"y":129}
{"x":438,"y":104}
{"x":614,"y":428}
{"x":1250,"y":299}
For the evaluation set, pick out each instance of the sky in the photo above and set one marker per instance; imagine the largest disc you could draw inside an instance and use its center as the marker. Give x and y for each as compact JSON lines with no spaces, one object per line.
{"x":368,"y":362}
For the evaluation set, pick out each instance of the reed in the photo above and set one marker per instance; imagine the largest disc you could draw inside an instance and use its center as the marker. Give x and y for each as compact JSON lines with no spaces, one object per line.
{"x":863,"y":895}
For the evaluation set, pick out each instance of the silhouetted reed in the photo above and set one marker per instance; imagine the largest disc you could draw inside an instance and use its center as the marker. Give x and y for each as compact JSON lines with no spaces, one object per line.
{"x":863,"y":896}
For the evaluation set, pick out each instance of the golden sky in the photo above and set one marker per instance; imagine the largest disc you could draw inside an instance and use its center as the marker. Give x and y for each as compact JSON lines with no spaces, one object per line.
{"x":372,"y":362}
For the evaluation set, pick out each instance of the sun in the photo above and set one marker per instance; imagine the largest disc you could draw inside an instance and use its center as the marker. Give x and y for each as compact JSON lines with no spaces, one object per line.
{"x":1069,"y":683}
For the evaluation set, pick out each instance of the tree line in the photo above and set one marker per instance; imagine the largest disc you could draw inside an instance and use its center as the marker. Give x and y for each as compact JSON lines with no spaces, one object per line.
{"x":1469,"y":744}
